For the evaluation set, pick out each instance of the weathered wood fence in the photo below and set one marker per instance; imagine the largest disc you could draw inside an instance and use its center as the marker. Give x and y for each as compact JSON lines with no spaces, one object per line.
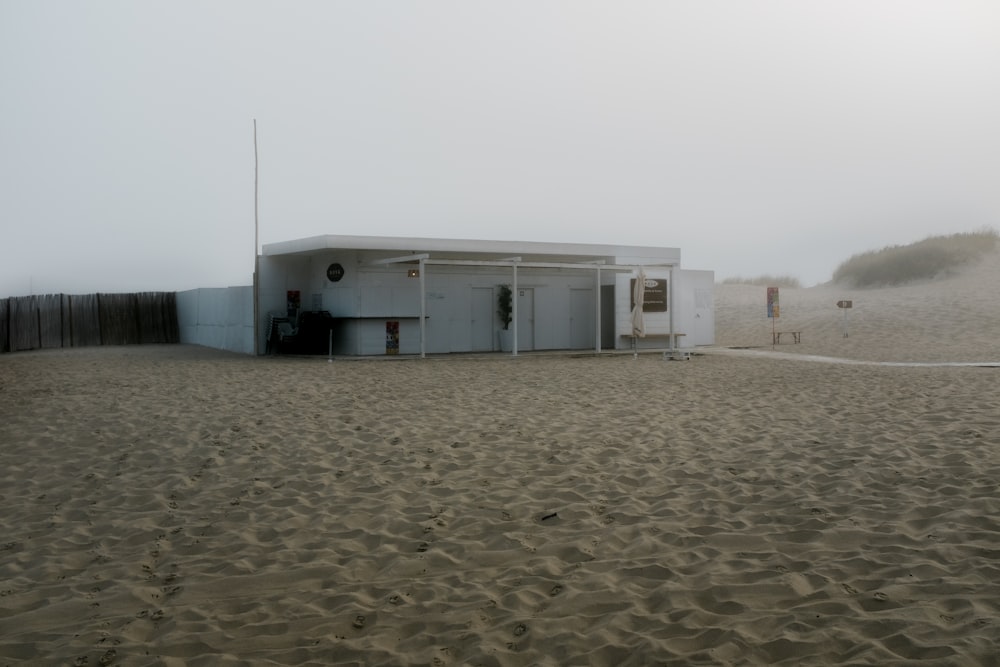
{"x":63,"y":320}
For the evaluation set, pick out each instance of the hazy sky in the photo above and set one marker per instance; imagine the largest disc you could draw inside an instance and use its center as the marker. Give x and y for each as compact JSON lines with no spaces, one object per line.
{"x":771,"y":136}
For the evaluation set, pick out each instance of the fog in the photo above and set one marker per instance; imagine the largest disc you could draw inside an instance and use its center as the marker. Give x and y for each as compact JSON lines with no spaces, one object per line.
{"x":773,"y":136}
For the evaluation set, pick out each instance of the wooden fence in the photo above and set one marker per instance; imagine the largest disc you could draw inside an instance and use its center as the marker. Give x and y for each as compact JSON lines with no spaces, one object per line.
{"x":63,"y":320}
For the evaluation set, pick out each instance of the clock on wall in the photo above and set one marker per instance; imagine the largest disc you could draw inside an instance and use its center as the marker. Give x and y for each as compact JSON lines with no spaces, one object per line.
{"x":334,"y":272}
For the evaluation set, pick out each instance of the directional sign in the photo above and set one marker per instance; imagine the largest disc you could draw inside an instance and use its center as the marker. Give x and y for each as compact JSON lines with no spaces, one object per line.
{"x":845,"y":304}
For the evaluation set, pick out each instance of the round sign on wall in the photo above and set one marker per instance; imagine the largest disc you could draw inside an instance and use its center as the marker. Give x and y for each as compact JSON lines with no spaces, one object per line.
{"x":334,"y":272}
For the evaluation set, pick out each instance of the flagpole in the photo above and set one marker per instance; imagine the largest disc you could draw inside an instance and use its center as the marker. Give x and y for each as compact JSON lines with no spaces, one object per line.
{"x":256,"y":244}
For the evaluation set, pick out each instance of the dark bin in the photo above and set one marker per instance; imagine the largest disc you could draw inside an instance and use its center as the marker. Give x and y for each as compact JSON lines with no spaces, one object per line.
{"x":313,"y":335}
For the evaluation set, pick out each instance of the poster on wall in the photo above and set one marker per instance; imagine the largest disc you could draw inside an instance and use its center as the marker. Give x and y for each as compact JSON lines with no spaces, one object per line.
{"x":294,"y":299}
{"x":392,"y":337}
{"x":654,"y":299}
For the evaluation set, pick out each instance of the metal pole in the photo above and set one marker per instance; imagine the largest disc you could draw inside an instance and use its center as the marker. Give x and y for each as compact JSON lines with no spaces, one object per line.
{"x":670,"y":309}
{"x":256,"y":246}
{"x":513,"y":295}
{"x":597,"y":315}
{"x":423,"y":311}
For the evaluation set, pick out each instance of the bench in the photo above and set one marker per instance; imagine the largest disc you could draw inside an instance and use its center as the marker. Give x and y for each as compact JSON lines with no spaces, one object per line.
{"x":677,"y":353}
{"x":796,"y":336}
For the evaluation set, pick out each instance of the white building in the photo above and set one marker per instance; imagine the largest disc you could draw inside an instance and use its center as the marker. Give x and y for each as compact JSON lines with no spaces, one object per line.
{"x":431,"y":296}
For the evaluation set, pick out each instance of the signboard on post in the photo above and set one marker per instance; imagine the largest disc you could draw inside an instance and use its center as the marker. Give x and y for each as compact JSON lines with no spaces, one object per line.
{"x":773,"y":309}
{"x":844,"y":305}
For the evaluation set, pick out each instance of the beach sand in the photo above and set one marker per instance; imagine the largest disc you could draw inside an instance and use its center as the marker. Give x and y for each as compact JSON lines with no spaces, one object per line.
{"x":175,"y":505}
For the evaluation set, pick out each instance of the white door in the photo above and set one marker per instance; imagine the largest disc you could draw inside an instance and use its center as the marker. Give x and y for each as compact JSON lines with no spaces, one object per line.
{"x":482,"y":319}
{"x":525,"y":319}
{"x":582,"y":316}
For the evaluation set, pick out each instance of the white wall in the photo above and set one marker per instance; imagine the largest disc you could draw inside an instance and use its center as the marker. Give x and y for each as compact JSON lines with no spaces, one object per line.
{"x":691,"y":299}
{"x":217,"y":317}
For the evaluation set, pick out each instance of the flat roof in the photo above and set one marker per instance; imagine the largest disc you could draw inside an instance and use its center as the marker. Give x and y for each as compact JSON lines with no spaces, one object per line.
{"x":478,"y":249}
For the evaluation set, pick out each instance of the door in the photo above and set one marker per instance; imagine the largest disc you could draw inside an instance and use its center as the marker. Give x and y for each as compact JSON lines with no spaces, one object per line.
{"x":582,"y":316}
{"x":525,"y":319}
{"x":482,"y":319}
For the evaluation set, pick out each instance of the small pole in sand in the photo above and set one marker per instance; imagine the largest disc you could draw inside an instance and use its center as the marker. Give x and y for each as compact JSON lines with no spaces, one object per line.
{"x":845,"y":306}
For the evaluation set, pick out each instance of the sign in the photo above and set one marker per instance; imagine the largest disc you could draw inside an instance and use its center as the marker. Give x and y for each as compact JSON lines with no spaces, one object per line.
{"x":773,"y":309}
{"x":654,"y":295}
{"x":392,"y":337}
{"x":844,"y":305}
{"x":334,"y":272}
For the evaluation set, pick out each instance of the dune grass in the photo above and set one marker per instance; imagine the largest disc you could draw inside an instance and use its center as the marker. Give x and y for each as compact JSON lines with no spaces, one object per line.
{"x":934,"y":257}
{"x":765,"y":280}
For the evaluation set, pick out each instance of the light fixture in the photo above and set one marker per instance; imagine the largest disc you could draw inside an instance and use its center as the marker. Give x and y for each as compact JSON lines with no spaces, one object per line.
{"x":413,"y":273}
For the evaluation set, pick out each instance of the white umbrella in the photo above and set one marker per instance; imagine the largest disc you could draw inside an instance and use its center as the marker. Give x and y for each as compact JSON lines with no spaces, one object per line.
{"x":638,"y":299}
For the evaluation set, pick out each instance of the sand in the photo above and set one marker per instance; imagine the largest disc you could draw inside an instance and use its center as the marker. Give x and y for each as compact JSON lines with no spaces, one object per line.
{"x":174,"y":505}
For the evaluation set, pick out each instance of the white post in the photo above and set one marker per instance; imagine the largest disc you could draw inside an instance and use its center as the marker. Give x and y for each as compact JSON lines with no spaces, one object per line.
{"x":423,"y":310}
{"x":670,"y":309}
{"x":597,"y":327}
{"x":513,"y":296}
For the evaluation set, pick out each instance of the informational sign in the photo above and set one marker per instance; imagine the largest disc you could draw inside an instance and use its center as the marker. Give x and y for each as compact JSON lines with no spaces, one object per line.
{"x":392,"y":337}
{"x":654,"y":296}
{"x":773,"y":309}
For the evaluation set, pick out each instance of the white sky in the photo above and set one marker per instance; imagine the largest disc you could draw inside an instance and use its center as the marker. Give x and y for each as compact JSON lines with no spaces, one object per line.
{"x":767,"y":136}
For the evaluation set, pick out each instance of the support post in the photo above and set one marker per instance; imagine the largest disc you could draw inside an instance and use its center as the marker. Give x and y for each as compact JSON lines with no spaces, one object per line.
{"x":513,"y":295}
{"x":670,"y":309}
{"x":423,"y":309}
{"x":597,"y":326}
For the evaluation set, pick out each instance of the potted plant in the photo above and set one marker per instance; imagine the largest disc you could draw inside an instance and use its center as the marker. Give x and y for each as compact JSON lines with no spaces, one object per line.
{"x":505,"y":306}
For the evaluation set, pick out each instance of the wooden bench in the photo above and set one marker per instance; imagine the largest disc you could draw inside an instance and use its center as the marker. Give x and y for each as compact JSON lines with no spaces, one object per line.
{"x":675,"y":351}
{"x":796,"y":336}
{"x":677,"y":339}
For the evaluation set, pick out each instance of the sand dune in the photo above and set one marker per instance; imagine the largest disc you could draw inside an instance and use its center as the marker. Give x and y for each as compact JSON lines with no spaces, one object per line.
{"x":180,"y":506}
{"x":952,"y":319}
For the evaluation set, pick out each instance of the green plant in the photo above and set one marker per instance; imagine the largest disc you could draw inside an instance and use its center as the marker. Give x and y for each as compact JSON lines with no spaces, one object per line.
{"x":933,"y":257}
{"x":505,"y":305}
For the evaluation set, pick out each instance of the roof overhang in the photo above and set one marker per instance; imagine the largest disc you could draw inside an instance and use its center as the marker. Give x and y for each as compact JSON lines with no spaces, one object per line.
{"x":469,"y":249}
